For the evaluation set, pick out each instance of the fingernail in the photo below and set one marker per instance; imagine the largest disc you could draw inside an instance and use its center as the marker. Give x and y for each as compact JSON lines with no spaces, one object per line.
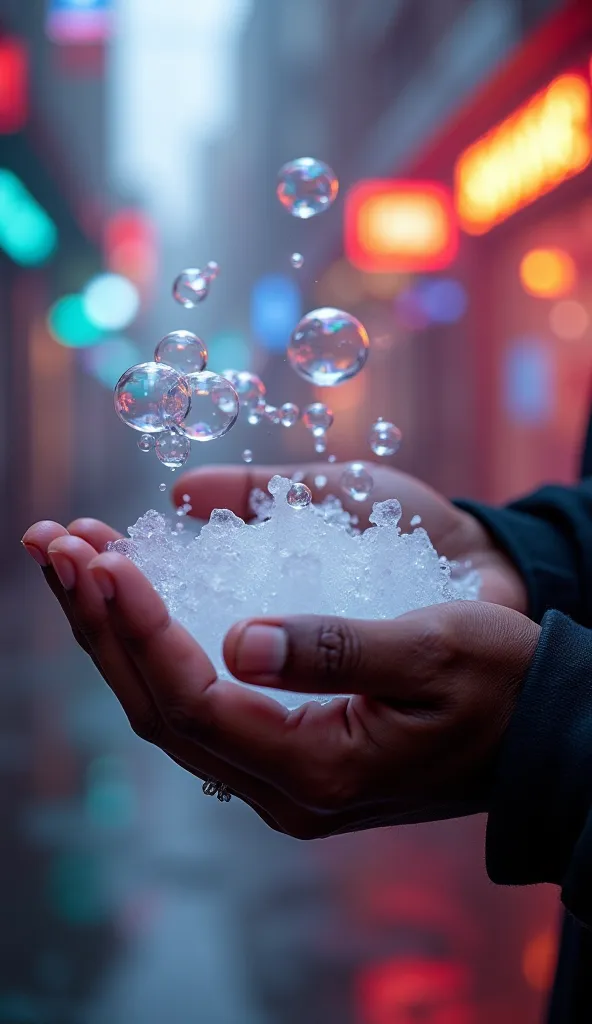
{"x":64,"y":569}
{"x":36,"y":553}
{"x":261,"y":650}
{"x":104,"y":582}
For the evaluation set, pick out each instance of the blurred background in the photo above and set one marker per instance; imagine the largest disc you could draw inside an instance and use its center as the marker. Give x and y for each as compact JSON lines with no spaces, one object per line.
{"x":137,"y":138}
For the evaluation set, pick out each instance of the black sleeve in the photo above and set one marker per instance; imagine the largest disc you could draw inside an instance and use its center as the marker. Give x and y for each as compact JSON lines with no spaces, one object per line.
{"x":540,"y":819}
{"x":548,"y":536}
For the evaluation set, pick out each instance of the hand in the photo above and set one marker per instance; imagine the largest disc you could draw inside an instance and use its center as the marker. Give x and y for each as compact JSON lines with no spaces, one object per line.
{"x":453,"y":532}
{"x":434,"y":691}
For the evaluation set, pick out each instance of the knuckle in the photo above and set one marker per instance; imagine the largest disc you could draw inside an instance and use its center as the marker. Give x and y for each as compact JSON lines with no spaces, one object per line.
{"x":338,"y":648}
{"x":434,"y":649}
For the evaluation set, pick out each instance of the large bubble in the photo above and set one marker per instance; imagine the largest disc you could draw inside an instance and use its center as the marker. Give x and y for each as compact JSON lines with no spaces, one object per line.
{"x":214,"y":406}
{"x":151,"y":396}
{"x":183,"y":351}
{"x":306,"y":187}
{"x":328,"y":347}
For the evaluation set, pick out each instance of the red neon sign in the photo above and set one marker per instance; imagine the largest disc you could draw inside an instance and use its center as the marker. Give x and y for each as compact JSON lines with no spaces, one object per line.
{"x":543,"y":143}
{"x":14,"y":86}
{"x":400,"y":227}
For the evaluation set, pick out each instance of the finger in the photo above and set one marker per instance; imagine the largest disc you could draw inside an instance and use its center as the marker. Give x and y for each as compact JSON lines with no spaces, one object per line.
{"x":38,"y":537}
{"x":251,"y":731}
{"x":230,"y":487}
{"x":94,"y":532}
{"x":325,"y":654}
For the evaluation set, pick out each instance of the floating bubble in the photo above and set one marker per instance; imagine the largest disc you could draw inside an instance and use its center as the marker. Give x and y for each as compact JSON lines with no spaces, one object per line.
{"x":297,"y":260}
{"x":191,"y":287}
{"x":317,"y":418}
{"x":214,"y":406}
{"x":320,"y":445}
{"x":251,"y":393}
{"x":306,"y":187}
{"x":183,"y":351}
{"x":320,"y":480}
{"x":332,"y":458}
{"x":356,"y":481}
{"x":146,"y":442}
{"x":247,"y":455}
{"x":162,"y":487}
{"x":212,"y":270}
{"x":288,"y":414}
{"x":299,"y":496}
{"x":151,"y":396}
{"x":172,"y":448}
{"x":415,"y":521}
{"x":186,"y":498}
{"x":328,"y":347}
{"x":385,"y":438}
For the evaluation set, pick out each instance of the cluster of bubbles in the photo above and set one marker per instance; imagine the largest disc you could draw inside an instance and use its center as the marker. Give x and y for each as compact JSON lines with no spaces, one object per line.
{"x":174,"y":399}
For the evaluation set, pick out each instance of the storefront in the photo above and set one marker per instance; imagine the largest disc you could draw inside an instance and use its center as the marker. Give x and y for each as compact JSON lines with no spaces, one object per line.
{"x":518,"y":159}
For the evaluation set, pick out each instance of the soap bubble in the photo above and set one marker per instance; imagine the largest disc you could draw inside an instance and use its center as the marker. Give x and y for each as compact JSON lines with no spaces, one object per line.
{"x":214,"y":406}
{"x":247,"y":455}
{"x":320,"y":480}
{"x":386,"y":513}
{"x":162,"y":487}
{"x":288,"y":414}
{"x":271,"y":413}
{"x":146,"y":442}
{"x":151,"y":396}
{"x":317,"y":418}
{"x":297,"y":260}
{"x":212,"y":270}
{"x":172,"y":448}
{"x":299,"y":496}
{"x":332,"y":458}
{"x":306,"y":187}
{"x":385,"y":438}
{"x":328,"y":347}
{"x":182,"y":350}
{"x":191,"y":287}
{"x":320,"y":445}
{"x":251,"y":392}
{"x":356,"y":481}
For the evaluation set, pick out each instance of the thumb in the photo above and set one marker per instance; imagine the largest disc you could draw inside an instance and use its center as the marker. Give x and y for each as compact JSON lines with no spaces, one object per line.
{"x":327,"y":654}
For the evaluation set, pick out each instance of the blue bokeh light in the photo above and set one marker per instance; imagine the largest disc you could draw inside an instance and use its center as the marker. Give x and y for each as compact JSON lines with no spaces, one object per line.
{"x":276,"y":308}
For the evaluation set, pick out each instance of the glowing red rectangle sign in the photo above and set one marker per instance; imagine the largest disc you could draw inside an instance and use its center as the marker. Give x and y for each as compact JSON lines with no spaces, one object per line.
{"x":14,"y":86}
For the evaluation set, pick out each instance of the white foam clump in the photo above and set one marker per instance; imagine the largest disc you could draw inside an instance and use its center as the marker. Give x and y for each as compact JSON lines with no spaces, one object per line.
{"x":290,"y":561}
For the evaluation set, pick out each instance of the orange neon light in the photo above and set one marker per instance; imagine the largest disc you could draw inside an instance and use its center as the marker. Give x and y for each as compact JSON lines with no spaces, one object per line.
{"x":543,"y":143}
{"x":400,"y":226}
{"x":547,"y":273}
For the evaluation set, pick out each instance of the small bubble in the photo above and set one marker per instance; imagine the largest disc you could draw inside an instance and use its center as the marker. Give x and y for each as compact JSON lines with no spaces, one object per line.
{"x":272,"y":414}
{"x":415,"y":521}
{"x":146,"y":442}
{"x":299,"y":496}
{"x":288,"y":414}
{"x":297,"y":260}
{"x":306,"y":187}
{"x":328,"y":347}
{"x":162,"y":487}
{"x":186,"y":497}
{"x":212,"y":270}
{"x":191,"y":287}
{"x":356,"y":481}
{"x":183,"y":351}
{"x":149,"y":396}
{"x":317,"y":418}
{"x":297,"y":476}
{"x":320,"y":445}
{"x":320,"y":481}
{"x":385,"y":438}
{"x":247,"y":455}
{"x":332,"y":459}
{"x":172,"y":449}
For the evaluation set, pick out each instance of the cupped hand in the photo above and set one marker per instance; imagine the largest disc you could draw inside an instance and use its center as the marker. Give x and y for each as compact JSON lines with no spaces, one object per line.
{"x":453,"y":532}
{"x":432,"y":694}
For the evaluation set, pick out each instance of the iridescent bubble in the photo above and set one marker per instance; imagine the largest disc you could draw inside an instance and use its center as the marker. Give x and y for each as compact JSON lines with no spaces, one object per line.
{"x":385,"y":438}
{"x":251,"y":392}
{"x":332,"y":458}
{"x":151,"y":396}
{"x":271,"y":413}
{"x":214,"y":406}
{"x":297,"y":260}
{"x":146,"y":442}
{"x":182,"y":350}
{"x":288,"y":414}
{"x":328,"y":347}
{"x":317,"y":418}
{"x":247,"y":455}
{"x":299,"y":496}
{"x":306,"y":187}
{"x":356,"y":481}
{"x":172,"y":448}
{"x":191,"y":287}
{"x":212,"y":270}
{"x":162,"y":487}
